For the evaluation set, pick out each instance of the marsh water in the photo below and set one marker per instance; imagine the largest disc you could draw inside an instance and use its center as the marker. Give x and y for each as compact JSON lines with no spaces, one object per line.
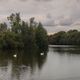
{"x":59,"y":63}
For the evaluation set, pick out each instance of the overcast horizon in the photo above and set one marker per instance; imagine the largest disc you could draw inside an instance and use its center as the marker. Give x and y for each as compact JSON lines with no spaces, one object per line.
{"x":58,"y":15}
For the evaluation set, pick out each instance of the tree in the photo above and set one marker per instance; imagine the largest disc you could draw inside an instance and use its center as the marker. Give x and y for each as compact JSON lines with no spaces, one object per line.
{"x":71,"y":37}
{"x":41,"y":38}
{"x":15,"y":21}
{"x":3,"y":27}
{"x":29,"y":35}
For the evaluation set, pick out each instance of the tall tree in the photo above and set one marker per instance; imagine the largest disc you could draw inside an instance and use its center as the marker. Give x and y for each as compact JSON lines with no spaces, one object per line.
{"x":41,"y":38}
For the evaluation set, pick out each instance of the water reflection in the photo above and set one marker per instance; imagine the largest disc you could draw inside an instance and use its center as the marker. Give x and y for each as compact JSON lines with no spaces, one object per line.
{"x":60,"y":63}
{"x":22,"y":67}
{"x":66,"y":49}
{"x":65,"y":63}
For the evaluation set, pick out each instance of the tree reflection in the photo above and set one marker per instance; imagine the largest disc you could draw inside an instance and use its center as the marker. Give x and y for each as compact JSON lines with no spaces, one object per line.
{"x":27,"y":61}
{"x":67,"y":50}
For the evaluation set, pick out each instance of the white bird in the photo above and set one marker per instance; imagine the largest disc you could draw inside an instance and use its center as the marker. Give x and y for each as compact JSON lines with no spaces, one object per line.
{"x":14,"y":55}
{"x":42,"y":54}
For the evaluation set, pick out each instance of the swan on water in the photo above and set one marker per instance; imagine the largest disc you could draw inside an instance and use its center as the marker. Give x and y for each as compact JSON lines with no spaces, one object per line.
{"x":42,"y":54}
{"x":14,"y":55}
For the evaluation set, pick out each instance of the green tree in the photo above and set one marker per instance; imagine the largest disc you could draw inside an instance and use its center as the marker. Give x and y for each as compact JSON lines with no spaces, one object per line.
{"x":71,"y":37}
{"x":3,"y":27}
{"x":23,"y":34}
{"x":15,"y":21}
{"x":41,"y":38}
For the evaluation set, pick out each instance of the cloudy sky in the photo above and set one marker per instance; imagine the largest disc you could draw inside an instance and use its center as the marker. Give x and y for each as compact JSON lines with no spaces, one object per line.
{"x":56,"y":15}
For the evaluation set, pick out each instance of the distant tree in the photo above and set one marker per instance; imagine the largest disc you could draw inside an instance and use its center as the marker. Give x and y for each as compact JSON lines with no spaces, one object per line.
{"x":71,"y":37}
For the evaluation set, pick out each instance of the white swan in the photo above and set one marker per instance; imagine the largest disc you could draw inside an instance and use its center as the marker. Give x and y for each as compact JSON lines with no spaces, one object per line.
{"x":42,"y":54}
{"x":15,"y":55}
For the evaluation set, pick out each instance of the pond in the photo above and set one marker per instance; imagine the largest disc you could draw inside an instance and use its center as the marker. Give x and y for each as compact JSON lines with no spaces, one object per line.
{"x":60,"y":63}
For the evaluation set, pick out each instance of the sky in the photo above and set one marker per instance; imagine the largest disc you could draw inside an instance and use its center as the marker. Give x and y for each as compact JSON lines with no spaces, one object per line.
{"x":56,"y":15}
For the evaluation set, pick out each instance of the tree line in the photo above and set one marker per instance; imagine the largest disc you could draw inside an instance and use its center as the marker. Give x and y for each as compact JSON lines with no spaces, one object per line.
{"x":19,"y":34}
{"x":71,"y":37}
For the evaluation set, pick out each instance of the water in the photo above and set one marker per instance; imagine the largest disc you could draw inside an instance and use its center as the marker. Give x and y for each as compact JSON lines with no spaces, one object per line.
{"x":60,"y":63}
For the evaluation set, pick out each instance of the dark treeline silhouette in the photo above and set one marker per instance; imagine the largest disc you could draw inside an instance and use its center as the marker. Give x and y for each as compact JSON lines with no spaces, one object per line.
{"x":71,"y":37}
{"x":20,"y":34}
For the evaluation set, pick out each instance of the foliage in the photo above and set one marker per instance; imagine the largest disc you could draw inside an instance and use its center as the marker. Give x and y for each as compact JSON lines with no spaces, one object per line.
{"x":41,"y":37}
{"x":71,"y":37}
{"x":21,"y":34}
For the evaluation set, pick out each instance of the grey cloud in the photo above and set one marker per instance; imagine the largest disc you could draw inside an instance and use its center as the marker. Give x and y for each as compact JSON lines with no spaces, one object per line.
{"x":36,"y":0}
{"x":49,"y":20}
{"x":43,"y":0}
{"x":66,"y":22}
{"x":47,"y":11}
{"x":49,"y":23}
{"x":23,"y":0}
